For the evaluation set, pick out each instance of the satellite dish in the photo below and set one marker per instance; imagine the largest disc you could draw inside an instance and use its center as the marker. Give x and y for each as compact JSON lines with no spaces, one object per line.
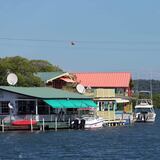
{"x":80,"y":88}
{"x":12,"y":79}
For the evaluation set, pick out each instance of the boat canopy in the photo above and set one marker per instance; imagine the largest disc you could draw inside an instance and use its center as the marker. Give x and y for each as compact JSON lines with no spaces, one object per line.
{"x":71,"y":103}
{"x":144,"y":106}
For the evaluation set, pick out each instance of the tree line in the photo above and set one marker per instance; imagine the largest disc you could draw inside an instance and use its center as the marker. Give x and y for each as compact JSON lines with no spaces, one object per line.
{"x":25,"y":70}
{"x":149,"y":85}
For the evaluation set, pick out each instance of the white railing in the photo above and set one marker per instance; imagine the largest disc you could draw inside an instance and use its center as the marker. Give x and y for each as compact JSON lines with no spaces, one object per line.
{"x":46,"y":118}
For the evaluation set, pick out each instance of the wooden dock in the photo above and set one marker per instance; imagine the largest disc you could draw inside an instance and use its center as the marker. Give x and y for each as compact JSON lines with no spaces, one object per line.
{"x":115,"y":123}
{"x":39,"y":126}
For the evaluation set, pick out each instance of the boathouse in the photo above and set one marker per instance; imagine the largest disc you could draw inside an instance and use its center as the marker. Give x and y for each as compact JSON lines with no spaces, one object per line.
{"x":110,"y":90}
{"x":41,"y":104}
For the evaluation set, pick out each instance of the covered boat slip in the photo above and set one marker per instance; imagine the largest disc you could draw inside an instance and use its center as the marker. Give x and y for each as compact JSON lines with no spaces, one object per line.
{"x":43,"y":104}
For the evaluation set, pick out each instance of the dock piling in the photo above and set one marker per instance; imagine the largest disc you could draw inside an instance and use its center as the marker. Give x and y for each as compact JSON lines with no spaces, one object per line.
{"x":31,"y":125}
{"x":43,"y":125}
{"x":2,"y":126}
{"x":69,"y":122}
{"x":55,"y":123}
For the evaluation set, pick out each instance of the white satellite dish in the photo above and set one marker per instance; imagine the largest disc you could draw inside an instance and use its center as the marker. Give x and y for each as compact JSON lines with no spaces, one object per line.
{"x":12,"y":79}
{"x":80,"y":88}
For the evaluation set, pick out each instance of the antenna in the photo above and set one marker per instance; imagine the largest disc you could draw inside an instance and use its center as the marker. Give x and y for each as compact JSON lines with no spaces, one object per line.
{"x":80,"y":88}
{"x":12,"y":79}
{"x":151,"y":88}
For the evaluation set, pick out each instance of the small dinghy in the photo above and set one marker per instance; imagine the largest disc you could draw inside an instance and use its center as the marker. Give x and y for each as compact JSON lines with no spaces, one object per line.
{"x":23,"y":122}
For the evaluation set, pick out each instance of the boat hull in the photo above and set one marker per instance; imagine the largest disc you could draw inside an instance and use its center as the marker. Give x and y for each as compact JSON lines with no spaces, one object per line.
{"x":149,"y":117}
{"x":93,"y":123}
{"x":87,"y":123}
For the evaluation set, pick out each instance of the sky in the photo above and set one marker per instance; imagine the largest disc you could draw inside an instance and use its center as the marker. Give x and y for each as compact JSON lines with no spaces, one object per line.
{"x":108,"y":35}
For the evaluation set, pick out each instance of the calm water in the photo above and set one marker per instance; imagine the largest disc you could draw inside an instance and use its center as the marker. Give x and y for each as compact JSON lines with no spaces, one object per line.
{"x":139,"y":141}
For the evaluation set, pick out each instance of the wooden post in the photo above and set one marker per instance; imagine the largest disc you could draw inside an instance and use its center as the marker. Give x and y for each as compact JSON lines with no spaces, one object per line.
{"x":69,"y":122}
{"x":37,"y":117}
{"x":2,"y":126}
{"x":43,"y":125}
{"x":31,"y":125}
{"x":55,"y":123}
{"x":114,"y":107}
{"x":51,"y":118}
{"x":108,"y":112}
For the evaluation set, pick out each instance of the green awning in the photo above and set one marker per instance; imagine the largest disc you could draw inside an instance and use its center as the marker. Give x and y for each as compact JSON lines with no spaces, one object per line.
{"x":90,"y":103}
{"x":66,"y":104}
{"x":78,"y":103}
{"x":54,"y":103}
{"x":71,"y":103}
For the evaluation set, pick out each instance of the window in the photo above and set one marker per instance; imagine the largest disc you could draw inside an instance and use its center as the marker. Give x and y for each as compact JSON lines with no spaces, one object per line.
{"x":43,"y":108}
{"x":4,"y":109}
{"x":26,"y":107}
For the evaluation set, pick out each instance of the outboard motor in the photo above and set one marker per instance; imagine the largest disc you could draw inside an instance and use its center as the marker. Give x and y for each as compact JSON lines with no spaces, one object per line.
{"x":139,"y":117}
{"x":82,"y":124}
{"x":145,"y":117}
{"x":76,"y":124}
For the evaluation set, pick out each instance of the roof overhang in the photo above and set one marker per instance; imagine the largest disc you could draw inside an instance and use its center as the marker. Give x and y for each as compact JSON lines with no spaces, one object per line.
{"x":145,"y":106}
{"x":68,"y":80}
{"x":64,"y":74}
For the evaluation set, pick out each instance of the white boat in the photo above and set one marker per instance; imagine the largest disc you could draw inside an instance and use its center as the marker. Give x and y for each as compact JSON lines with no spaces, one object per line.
{"x":144,"y":110}
{"x":87,"y":122}
{"x":93,"y":122}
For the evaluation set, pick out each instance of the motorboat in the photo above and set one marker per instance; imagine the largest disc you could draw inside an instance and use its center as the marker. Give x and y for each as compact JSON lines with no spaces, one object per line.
{"x":87,"y":122}
{"x":19,"y":121}
{"x":93,"y":122}
{"x":144,"y":111}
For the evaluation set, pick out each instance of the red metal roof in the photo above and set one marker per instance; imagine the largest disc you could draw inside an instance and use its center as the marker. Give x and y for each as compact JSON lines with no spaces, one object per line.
{"x":105,"y":79}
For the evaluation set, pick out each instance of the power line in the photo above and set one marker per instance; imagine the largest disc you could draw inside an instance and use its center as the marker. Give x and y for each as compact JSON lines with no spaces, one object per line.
{"x":33,"y":40}
{"x":82,"y":41}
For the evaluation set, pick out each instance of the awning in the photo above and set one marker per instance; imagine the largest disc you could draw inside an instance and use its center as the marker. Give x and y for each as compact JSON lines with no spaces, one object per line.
{"x":79,"y":103}
{"x":86,"y":109}
{"x":54,"y":103}
{"x":71,"y":103}
{"x":66,"y":103}
{"x":90,"y":103}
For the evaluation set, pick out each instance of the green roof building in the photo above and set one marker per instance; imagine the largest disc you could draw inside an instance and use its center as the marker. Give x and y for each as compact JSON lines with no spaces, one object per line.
{"x":40,"y":101}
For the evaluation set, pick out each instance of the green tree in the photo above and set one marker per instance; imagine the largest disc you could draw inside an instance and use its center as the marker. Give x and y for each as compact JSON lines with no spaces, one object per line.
{"x":24,"y":69}
{"x":156,"y":100}
{"x":44,"y":66}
